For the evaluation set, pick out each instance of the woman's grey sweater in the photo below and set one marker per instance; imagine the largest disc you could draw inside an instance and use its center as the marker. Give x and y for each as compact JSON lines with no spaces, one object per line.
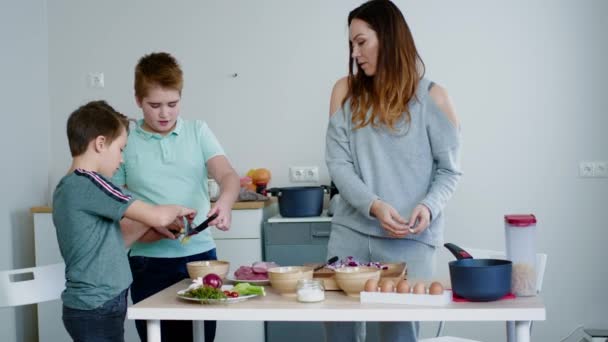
{"x":415,"y":163}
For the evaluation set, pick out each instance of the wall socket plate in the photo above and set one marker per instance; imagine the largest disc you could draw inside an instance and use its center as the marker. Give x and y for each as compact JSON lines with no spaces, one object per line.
{"x":96,"y":80}
{"x":304,"y":174}
{"x":593,"y":169}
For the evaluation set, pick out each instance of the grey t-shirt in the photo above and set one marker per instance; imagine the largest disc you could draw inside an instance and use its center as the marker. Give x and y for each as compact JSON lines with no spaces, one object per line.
{"x":416,"y":163}
{"x":87,"y":209}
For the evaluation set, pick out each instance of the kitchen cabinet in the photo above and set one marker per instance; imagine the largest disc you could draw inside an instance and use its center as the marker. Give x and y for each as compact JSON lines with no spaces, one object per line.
{"x":241,"y":245}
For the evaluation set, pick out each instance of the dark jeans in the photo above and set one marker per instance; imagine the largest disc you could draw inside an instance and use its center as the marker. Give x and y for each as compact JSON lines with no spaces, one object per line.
{"x":151,"y":275}
{"x":103,"y":324}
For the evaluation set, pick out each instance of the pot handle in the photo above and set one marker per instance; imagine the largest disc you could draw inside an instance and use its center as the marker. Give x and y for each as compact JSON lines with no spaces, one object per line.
{"x":458,"y":252}
{"x":274,"y":192}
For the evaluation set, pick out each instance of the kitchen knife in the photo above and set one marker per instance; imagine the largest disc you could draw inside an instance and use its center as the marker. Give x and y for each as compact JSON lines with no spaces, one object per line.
{"x":202,"y":226}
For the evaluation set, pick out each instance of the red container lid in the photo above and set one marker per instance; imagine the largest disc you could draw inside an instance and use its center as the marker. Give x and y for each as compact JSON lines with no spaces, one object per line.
{"x":520,"y":220}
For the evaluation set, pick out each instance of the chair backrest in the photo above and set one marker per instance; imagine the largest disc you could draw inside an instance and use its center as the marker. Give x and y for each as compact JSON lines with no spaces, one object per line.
{"x":43,"y":283}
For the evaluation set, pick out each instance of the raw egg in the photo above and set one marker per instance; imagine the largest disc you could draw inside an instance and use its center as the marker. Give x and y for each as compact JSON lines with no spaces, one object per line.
{"x":403,"y":286}
{"x":419,"y":288}
{"x":436,"y":288}
{"x":371,"y":285}
{"x":387,"y":286}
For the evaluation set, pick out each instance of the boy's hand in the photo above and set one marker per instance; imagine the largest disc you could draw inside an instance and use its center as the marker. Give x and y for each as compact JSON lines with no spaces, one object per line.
{"x":164,"y":232}
{"x":224,"y":215}
{"x":176,"y":226}
{"x":188,"y":213}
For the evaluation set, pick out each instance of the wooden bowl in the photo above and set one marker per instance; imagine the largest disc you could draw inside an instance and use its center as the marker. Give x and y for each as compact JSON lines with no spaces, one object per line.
{"x":285,"y":279}
{"x":202,"y":268}
{"x":394,"y":270}
{"x":352,"y":279}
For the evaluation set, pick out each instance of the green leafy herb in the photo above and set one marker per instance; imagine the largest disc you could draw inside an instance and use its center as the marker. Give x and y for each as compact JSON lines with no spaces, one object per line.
{"x":205,"y":292}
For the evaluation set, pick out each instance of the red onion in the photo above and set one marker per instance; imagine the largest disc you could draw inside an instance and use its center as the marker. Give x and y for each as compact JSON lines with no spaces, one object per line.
{"x":212,"y":280}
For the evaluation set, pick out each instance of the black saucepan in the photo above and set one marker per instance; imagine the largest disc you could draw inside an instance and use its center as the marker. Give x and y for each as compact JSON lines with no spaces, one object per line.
{"x":479,"y":280}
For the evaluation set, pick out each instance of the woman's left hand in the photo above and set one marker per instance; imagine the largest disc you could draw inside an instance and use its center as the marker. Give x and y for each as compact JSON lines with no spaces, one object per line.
{"x":419,"y":219}
{"x":224,"y":215}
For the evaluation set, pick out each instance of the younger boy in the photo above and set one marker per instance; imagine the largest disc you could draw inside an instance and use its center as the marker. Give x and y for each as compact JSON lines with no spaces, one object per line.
{"x":87,"y":209}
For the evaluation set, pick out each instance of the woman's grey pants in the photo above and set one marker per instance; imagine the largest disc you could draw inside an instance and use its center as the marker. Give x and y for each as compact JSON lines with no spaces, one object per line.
{"x":420,"y":259}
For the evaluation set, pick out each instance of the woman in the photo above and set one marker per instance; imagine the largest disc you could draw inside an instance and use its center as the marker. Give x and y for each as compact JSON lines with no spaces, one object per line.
{"x":393,"y":146}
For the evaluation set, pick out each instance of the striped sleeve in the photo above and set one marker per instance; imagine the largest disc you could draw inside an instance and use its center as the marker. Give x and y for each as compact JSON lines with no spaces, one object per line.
{"x":107,"y":187}
{"x":104,"y":198}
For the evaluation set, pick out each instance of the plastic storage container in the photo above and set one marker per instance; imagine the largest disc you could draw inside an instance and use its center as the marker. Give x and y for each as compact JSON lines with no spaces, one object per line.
{"x":520,"y":239}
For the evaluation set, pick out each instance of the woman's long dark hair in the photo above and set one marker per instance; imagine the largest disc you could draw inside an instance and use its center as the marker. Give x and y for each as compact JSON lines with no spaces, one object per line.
{"x":398,"y":70}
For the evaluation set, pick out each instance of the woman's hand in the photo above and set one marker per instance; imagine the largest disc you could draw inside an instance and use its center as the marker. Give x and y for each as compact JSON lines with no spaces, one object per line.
{"x":419,"y":219}
{"x":390,"y":220}
{"x":224,"y":215}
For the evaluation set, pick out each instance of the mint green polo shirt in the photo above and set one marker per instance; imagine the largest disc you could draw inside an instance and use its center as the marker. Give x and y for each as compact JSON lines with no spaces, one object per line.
{"x":171,"y":169}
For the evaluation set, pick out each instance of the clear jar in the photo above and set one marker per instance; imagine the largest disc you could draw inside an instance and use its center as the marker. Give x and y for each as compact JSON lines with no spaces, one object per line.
{"x":520,"y":240}
{"x":310,"y":291}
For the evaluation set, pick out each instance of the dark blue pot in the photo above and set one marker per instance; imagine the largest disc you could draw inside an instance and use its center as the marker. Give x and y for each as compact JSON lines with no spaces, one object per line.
{"x":300,"y":201}
{"x":479,"y":280}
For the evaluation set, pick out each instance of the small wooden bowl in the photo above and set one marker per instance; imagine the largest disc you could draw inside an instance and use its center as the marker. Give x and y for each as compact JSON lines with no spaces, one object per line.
{"x":352,"y":279}
{"x":285,"y":279}
{"x":202,"y":268}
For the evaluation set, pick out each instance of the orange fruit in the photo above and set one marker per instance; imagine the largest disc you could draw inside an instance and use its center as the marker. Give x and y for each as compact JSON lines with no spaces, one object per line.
{"x":261,"y":176}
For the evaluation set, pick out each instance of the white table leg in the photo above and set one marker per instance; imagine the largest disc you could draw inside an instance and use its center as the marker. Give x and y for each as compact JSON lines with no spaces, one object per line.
{"x":153,"y":326}
{"x":522,"y":331}
{"x":198,"y":331}
{"x":511,"y":331}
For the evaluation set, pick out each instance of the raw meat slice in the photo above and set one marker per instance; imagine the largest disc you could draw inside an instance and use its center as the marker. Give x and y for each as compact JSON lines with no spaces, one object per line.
{"x":262,"y":266}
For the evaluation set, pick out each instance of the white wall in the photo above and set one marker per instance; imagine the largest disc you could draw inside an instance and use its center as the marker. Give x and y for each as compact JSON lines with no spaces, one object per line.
{"x":526,"y":78}
{"x":25,"y":144}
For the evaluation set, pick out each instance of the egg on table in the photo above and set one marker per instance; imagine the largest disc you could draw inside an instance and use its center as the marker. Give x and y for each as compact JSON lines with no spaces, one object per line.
{"x":371,"y":285}
{"x":419,"y":288}
{"x":436,"y":288}
{"x":403,"y":286}
{"x":387,"y":286}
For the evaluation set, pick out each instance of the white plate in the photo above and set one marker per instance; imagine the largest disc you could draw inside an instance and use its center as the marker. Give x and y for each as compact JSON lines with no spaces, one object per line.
{"x":180,"y":294}
{"x":233,"y":279}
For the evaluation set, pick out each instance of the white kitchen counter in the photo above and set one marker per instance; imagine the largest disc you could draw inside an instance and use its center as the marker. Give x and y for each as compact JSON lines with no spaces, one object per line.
{"x":280,"y":219}
{"x":337,"y":307}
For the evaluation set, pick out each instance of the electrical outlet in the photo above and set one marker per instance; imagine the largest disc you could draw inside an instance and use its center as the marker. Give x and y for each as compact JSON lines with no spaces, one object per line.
{"x":585,"y":169}
{"x":96,"y":80}
{"x":593,"y":169}
{"x":600,"y":169}
{"x":304,"y":174}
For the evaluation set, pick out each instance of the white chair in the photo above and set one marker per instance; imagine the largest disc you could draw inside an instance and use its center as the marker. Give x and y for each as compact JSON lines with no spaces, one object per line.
{"x":541,"y":263}
{"x":31,"y":285}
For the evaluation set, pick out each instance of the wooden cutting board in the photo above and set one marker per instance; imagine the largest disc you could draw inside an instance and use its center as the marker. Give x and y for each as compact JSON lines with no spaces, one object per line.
{"x":395,"y":272}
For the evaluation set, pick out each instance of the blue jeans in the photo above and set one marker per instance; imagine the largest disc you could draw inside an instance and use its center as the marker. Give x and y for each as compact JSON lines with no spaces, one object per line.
{"x":103,"y":324}
{"x":151,"y":275}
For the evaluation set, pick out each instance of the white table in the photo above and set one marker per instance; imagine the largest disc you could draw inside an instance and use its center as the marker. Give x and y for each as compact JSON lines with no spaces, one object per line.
{"x":337,"y":307}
